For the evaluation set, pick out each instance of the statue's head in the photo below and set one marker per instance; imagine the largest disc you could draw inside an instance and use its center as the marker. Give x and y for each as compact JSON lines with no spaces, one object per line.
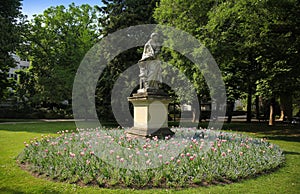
{"x":154,"y":36}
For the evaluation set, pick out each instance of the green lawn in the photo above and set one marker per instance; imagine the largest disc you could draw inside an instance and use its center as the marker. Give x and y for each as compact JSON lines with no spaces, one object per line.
{"x":15,"y":180}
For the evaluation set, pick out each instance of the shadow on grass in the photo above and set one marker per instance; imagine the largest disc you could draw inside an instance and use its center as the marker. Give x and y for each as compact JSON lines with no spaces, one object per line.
{"x":291,"y":153}
{"x":50,"y":127}
{"x":14,"y":191}
{"x":278,"y":132}
{"x":9,"y":190}
{"x":38,"y":127}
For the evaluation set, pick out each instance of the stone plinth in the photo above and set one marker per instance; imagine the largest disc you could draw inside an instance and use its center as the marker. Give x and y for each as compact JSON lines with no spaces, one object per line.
{"x":150,"y":114}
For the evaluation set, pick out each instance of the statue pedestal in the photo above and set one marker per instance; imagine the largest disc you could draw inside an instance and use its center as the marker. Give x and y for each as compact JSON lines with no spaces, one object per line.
{"x":150,"y":114}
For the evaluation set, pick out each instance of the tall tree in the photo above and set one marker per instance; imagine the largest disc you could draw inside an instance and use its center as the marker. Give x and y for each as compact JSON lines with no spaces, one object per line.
{"x":10,"y":25}
{"x":234,"y":30}
{"x":261,"y":40}
{"x":280,"y":56}
{"x":116,"y":15}
{"x":192,"y":17}
{"x":56,"y":42}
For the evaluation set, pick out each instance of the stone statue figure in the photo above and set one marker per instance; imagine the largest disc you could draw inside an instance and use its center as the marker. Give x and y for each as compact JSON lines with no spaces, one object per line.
{"x":150,"y":66}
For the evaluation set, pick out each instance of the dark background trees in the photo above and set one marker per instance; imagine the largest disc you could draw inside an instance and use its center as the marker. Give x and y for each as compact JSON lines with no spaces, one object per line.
{"x":10,"y":33}
{"x":116,"y":15}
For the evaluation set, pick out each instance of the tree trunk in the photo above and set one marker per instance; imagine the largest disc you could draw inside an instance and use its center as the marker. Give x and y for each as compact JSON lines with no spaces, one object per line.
{"x":249,"y":105}
{"x":286,"y":111}
{"x":194,"y":119}
{"x":174,"y":111}
{"x":257,"y":108}
{"x":272,"y":112}
{"x":196,"y":109}
{"x":230,"y":108}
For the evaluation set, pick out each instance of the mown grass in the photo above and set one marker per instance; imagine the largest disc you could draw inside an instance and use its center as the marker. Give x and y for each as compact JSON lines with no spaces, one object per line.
{"x":14,"y":180}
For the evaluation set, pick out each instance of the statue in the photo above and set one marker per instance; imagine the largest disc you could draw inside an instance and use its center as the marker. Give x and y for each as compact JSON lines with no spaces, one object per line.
{"x":150,"y":66}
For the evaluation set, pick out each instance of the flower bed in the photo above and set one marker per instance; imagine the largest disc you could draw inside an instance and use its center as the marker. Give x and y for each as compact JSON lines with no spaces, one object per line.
{"x":110,"y":158}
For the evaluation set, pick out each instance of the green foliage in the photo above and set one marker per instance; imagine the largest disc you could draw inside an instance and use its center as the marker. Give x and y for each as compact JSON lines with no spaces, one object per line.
{"x":11,"y":26}
{"x":55,"y":43}
{"x":280,"y":54}
{"x":190,"y":16}
{"x":255,"y":43}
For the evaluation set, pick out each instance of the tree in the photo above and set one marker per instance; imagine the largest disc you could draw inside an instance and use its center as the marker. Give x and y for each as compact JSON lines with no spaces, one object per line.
{"x":116,"y":15}
{"x":260,"y":39}
{"x":189,"y":16}
{"x":234,"y":31}
{"x":55,"y":43}
{"x":280,"y":61}
{"x":11,"y":26}
{"x":255,"y":43}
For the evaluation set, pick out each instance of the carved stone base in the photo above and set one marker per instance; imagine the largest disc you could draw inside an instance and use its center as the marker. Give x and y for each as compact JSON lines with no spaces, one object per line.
{"x":150,"y":114}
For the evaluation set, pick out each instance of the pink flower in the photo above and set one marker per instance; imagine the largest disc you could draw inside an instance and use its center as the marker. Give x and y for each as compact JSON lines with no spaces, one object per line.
{"x":148,"y":162}
{"x":81,"y":153}
{"x":241,"y":153}
{"x":192,"y":158}
{"x":167,"y":163}
{"x":182,"y":155}
{"x":72,"y":155}
{"x":172,"y":158}
{"x":122,"y":160}
{"x":223,"y":154}
{"x":188,"y":154}
{"x":46,"y":150}
{"x":178,"y":161}
{"x":88,"y":162}
{"x":111,"y":151}
{"x":92,"y":153}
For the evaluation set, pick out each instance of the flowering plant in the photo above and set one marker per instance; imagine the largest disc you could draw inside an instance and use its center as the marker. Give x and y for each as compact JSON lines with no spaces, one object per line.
{"x":206,"y":156}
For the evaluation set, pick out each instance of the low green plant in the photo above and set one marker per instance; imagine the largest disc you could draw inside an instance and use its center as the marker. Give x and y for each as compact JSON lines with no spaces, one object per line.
{"x":208,"y":157}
